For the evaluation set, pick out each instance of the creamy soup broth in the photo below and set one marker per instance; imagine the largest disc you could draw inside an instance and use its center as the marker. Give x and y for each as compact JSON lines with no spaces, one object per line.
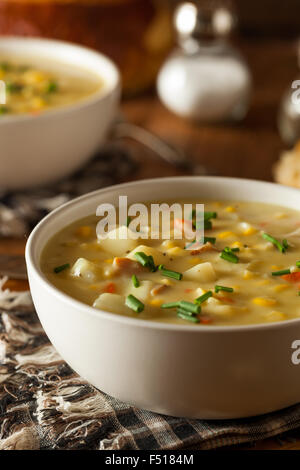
{"x":256,"y":281}
{"x":33,"y":88}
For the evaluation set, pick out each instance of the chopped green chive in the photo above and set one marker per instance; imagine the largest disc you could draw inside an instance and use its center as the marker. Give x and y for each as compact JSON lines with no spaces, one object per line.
{"x":187,"y":317}
{"x":189,"y":306}
{"x":203,"y":297}
{"x":185,"y":312}
{"x":228,"y":255}
{"x":4,"y":109}
{"x":285,"y":244}
{"x":134,"y":303}
{"x":224,"y":288}
{"x":4,"y":66}
{"x":61,"y":268}
{"x":210,"y":215}
{"x":128,"y":221}
{"x":183,"y":305}
{"x":211,"y":240}
{"x":207,"y":225}
{"x":235,"y":249}
{"x":203,"y":240}
{"x":170,"y":305}
{"x":12,"y":87}
{"x":145,"y":260}
{"x":281,"y":273}
{"x":298,"y":292}
{"x":170,"y":273}
{"x":298,"y":264}
{"x":282,"y":247}
{"x":51,"y":87}
{"x":135,"y":281}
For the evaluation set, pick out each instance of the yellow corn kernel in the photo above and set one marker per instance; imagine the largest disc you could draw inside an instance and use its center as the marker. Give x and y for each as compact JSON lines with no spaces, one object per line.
{"x":275,"y":267}
{"x":281,"y":287}
{"x":264,"y":301}
{"x":37,"y":103}
{"x":95,"y":287}
{"x":194,"y":260}
{"x":249,"y":231}
{"x":168,"y":244}
{"x":2,"y":73}
{"x":280,"y":215}
{"x":167,"y":282}
{"x":230,"y":209}
{"x":31,"y":77}
{"x":226,"y":234}
{"x":248,"y":274}
{"x":109,"y":261}
{"x":275,"y":316}
{"x":176,"y":251}
{"x":265,"y":282}
{"x":156,"y":302}
{"x":84,"y":231}
{"x":236,"y":244}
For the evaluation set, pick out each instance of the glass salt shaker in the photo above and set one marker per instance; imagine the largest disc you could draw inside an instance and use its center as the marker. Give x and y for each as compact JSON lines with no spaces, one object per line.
{"x":205,"y":79}
{"x":289,"y":112}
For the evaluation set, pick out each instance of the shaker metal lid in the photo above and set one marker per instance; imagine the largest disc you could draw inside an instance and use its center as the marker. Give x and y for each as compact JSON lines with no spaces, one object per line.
{"x":203,"y":21}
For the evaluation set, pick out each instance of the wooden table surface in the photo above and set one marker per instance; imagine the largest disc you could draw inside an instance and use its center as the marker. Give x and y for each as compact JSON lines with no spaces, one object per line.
{"x":246,"y":150}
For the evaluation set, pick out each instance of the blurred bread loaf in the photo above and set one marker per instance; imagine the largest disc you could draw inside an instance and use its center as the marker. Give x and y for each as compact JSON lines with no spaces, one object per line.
{"x":287,"y":169}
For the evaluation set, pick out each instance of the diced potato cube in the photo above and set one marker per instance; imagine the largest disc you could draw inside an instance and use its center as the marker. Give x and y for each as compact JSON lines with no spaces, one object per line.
{"x":112,"y":303}
{"x":227,"y":310}
{"x":158,"y":257}
{"x":142,"y":292}
{"x":119,"y":241}
{"x":203,"y":272}
{"x":86,"y":270}
{"x":214,"y":301}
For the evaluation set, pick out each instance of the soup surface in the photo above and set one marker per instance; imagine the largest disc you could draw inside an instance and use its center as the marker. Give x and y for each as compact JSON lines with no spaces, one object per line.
{"x":247,"y":270}
{"x":33,"y":89}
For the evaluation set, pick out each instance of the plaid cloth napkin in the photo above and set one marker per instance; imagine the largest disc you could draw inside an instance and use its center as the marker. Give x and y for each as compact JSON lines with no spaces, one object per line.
{"x":44,"y":404}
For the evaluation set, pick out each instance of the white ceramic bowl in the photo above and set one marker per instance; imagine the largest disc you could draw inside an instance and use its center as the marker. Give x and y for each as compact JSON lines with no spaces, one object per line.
{"x":193,"y":371}
{"x":36,"y":150}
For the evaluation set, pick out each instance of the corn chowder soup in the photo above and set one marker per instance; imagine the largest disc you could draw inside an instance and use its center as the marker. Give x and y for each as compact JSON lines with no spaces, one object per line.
{"x":247,"y":271}
{"x":33,"y":89}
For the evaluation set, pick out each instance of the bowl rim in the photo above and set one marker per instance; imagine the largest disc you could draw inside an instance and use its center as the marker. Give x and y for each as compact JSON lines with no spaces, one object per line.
{"x":96,"y":97}
{"x":136,"y":322}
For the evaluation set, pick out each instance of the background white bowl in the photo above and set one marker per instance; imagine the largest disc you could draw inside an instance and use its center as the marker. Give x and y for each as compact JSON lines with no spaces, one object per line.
{"x":36,"y":150}
{"x":192,"y":371}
